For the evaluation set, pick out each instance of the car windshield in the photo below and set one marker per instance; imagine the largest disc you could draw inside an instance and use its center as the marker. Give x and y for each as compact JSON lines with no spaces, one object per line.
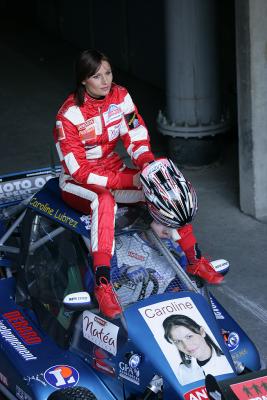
{"x":56,"y":265}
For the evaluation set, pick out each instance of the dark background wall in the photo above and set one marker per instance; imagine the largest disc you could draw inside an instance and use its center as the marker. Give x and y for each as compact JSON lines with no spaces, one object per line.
{"x":132,"y":33}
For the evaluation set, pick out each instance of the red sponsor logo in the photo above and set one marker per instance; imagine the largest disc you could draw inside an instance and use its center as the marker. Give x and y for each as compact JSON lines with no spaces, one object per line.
{"x":197,"y":394}
{"x":102,"y":366}
{"x":135,"y":255}
{"x":87,"y":130}
{"x":100,"y":321}
{"x":86,"y":124}
{"x":22,"y":328}
{"x":254,"y":389}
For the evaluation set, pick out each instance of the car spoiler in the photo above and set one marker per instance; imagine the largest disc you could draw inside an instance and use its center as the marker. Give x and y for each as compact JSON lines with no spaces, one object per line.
{"x":19,"y":186}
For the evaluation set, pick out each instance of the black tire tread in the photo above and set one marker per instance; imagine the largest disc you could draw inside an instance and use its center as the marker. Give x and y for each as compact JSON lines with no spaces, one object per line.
{"x":72,"y":393}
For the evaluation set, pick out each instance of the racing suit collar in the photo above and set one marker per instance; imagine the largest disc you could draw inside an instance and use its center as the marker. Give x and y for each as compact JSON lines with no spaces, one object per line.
{"x":98,"y":102}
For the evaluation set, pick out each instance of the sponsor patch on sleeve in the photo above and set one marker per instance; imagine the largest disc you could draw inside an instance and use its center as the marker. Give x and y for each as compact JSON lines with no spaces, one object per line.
{"x":60,"y":130}
{"x":132,"y":120}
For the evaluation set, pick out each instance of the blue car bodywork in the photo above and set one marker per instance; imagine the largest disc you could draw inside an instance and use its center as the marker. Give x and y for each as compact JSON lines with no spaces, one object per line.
{"x":45,"y":348}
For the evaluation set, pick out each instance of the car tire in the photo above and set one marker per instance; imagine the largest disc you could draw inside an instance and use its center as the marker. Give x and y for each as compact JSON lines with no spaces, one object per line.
{"x":73,"y":393}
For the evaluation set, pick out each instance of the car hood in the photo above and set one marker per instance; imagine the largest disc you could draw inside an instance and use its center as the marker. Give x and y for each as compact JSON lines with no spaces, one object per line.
{"x":144,"y":322}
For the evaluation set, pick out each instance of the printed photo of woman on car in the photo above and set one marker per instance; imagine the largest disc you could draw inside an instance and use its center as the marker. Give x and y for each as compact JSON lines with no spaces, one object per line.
{"x":186,"y":340}
{"x":200,"y":355}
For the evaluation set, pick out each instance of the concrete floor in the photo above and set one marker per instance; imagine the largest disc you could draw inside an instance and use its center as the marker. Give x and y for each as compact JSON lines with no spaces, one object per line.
{"x":36,"y":76}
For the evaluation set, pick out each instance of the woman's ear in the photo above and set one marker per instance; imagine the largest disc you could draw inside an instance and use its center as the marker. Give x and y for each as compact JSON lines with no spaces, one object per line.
{"x":83,"y":82}
{"x":202,"y":331}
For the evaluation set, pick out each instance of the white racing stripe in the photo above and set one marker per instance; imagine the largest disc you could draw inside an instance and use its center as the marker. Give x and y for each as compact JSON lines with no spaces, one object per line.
{"x":248,"y":305}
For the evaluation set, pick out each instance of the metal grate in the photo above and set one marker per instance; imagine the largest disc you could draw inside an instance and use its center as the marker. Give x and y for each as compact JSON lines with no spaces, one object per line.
{"x":141,"y":267}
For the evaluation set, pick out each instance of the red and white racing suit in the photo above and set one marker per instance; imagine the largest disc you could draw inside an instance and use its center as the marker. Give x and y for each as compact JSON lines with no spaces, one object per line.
{"x":93,"y":176}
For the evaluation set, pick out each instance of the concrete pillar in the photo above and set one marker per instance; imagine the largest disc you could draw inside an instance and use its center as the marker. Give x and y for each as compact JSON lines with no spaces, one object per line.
{"x":251,"y":50}
{"x":194,"y":108}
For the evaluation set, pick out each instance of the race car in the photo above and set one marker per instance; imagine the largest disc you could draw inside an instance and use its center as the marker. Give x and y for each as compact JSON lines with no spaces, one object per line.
{"x":54,"y":342}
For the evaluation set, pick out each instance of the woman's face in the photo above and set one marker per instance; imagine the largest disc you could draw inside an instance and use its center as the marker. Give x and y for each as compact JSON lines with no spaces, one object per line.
{"x":190,"y":343}
{"x":99,"y":84}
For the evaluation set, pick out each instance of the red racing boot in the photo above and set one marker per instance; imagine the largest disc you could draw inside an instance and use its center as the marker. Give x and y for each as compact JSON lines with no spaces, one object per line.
{"x":204,"y":270}
{"x":107,"y":299}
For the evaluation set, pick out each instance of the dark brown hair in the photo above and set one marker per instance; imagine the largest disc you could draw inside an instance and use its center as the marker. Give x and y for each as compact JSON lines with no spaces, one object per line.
{"x":183,"y":320}
{"x":86,"y":65}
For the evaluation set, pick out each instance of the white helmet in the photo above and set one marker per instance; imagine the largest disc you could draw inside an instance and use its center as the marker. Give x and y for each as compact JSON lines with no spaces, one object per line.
{"x":171,"y":199}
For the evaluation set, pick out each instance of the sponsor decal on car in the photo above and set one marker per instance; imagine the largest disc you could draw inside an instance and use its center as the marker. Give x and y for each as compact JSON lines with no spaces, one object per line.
{"x":16,"y":188}
{"x":61,"y":376}
{"x":233,"y":341}
{"x":197,"y":394}
{"x":20,"y":394}
{"x":36,"y":378}
{"x":22,"y":327}
{"x":128,"y":373}
{"x":87,"y":221}
{"x":217,"y":312}
{"x":184,"y":314}
{"x":253,"y":389}
{"x":15,"y":343}
{"x":57,"y":214}
{"x":239,"y":354}
{"x":102,"y":362}
{"x":166,"y":308}
{"x":100,"y":332}
{"x":104,"y":367}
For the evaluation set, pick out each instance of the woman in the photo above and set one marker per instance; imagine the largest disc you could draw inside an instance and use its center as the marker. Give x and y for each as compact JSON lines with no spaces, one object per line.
{"x":93,"y":178}
{"x":88,"y":126}
{"x":200,"y":355}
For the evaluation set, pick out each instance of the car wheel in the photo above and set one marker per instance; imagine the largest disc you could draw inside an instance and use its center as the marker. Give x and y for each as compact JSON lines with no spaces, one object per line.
{"x":73,"y":393}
